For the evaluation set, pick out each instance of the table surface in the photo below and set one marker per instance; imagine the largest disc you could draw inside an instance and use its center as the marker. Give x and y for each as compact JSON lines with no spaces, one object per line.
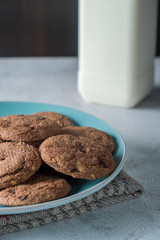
{"x":54,"y":80}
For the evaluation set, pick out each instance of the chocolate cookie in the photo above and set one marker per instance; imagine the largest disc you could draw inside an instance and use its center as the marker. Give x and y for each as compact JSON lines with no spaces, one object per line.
{"x":96,"y":135}
{"x":27,"y":128}
{"x":38,"y":189}
{"x":61,"y":119}
{"x":18,"y":162}
{"x":77,"y":156}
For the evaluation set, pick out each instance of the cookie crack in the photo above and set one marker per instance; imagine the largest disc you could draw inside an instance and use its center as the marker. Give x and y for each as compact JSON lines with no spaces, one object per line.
{"x":16,"y":171}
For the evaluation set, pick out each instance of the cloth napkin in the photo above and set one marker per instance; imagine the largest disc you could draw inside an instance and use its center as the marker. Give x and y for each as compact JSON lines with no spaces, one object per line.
{"x":122,"y":188}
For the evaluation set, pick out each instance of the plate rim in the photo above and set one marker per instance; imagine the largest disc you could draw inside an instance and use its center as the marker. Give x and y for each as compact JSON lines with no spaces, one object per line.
{"x":74,"y":197}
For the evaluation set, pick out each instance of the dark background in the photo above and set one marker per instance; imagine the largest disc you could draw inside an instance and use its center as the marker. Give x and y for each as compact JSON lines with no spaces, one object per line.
{"x":42,"y":28}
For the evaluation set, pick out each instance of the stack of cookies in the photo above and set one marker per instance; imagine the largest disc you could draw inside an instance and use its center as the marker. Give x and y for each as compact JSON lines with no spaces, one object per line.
{"x":29,"y":143}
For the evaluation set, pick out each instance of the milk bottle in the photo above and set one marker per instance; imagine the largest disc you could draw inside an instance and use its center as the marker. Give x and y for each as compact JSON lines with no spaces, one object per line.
{"x":116,"y":50}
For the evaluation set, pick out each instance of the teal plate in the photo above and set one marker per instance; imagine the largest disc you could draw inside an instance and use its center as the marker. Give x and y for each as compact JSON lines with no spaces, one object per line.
{"x":80,"y":188}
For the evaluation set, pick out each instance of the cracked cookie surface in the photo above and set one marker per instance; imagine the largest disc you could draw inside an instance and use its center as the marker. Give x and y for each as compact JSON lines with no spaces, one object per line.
{"x":27,"y":128}
{"x":18,"y":162}
{"x":38,"y":189}
{"x":77,"y":156}
{"x":61,"y":119}
{"x":94,"y":134}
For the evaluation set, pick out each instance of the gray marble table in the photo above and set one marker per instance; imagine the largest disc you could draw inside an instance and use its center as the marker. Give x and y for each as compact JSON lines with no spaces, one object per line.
{"x":53,"y":80}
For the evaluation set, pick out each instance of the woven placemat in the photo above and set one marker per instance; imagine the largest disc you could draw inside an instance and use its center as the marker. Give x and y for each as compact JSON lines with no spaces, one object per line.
{"x":122,"y":188}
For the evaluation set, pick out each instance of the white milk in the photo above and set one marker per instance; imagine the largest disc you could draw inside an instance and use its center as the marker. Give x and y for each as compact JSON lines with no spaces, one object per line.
{"x":116,"y":50}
